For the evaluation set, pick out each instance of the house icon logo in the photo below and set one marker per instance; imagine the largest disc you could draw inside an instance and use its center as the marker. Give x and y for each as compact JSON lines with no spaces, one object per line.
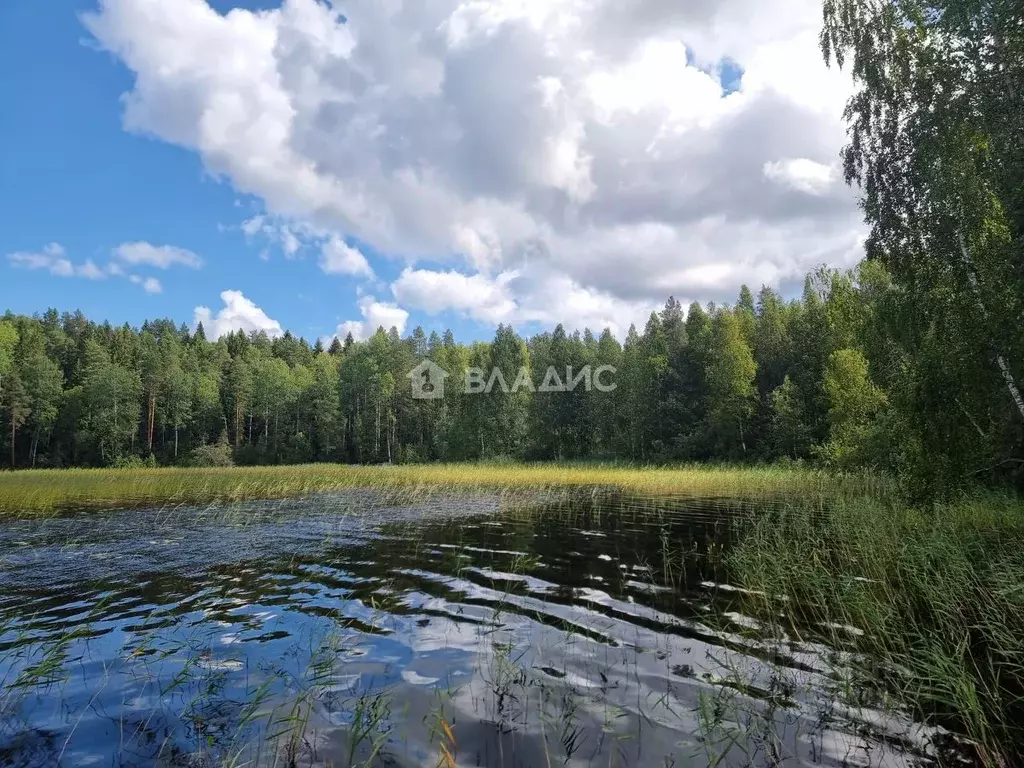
{"x":427,"y":381}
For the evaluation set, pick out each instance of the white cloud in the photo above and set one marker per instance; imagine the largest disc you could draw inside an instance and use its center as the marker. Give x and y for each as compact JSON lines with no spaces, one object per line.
{"x":559,"y":299}
{"x":237,"y":314}
{"x":339,"y":258}
{"x":376,"y":314}
{"x":250,"y":227}
{"x":91,"y":271}
{"x":584,"y":145}
{"x":52,"y":259}
{"x":287,"y":235}
{"x":159,"y":256}
{"x":289,"y":242}
{"x":802,"y":175}
{"x":505,"y":299}
{"x":478,"y":296}
{"x":149,"y":284}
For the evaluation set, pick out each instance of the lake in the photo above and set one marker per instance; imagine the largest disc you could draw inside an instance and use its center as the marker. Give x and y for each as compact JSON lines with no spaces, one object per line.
{"x":350,"y":629}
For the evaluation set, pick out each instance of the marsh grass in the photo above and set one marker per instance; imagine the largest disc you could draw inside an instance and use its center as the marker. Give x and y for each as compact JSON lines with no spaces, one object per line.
{"x":28,"y":492}
{"x":932,"y":600}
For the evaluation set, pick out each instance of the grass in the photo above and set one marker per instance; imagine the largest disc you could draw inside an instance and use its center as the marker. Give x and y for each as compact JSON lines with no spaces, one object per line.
{"x":933,"y":598}
{"x":27,"y":492}
{"x":929,"y":602}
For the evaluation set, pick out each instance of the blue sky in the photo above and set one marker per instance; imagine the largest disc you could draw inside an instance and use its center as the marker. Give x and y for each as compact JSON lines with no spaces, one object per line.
{"x":74,"y":176}
{"x":524,"y":187}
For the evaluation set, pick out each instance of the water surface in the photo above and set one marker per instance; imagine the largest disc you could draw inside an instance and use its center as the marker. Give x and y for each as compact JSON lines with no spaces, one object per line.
{"x":345,"y":629}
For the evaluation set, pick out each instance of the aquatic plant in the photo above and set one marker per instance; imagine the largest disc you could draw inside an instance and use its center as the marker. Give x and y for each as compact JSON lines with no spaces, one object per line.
{"x":45,"y":491}
{"x":932,"y":598}
{"x":573,"y":598}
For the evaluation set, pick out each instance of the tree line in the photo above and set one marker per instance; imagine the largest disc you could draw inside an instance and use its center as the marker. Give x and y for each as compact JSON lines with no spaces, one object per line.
{"x":909,"y":363}
{"x":835,"y":377}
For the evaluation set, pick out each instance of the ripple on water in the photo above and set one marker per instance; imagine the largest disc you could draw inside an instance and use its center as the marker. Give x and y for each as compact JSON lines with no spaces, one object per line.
{"x":561,"y":636}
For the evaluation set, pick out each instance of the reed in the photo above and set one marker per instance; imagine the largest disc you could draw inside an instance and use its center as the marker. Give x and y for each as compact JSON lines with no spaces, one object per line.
{"x":28,"y":492}
{"x":934,"y":598}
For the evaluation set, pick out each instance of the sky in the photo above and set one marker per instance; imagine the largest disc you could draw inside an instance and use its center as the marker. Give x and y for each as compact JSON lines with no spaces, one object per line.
{"x":326,"y":168}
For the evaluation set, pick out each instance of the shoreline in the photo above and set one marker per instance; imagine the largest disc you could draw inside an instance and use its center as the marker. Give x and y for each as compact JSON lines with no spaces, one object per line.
{"x":41,"y":491}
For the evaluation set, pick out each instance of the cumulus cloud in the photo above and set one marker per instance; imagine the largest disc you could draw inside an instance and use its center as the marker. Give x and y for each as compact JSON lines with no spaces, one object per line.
{"x":160,"y":256}
{"x":339,"y":258}
{"x":376,"y":314}
{"x":511,"y":297}
{"x":478,"y":296}
{"x":586,"y":145}
{"x":237,"y":314}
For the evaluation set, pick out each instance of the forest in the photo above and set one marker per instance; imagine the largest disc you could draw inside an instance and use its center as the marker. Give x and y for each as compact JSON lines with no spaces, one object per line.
{"x":907,"y":364}
{"x":842,"y":376}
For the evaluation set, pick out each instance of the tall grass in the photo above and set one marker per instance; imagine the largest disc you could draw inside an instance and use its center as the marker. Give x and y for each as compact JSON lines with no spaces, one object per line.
{"x":934,"y":598}
{"x":41,"y":491}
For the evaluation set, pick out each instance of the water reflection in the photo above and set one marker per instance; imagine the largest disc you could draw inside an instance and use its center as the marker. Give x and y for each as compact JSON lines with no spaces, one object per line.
{"x":346,"y":630}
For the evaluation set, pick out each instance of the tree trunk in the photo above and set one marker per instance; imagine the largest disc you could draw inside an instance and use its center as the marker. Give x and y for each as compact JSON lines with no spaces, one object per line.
{"x":1004,"y":367}
{"x":14,"y":432}
{"x":175,"y":441}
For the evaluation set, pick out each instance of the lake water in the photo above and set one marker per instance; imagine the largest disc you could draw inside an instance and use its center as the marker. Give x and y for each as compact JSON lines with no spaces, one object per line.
{"x":346,"y":629}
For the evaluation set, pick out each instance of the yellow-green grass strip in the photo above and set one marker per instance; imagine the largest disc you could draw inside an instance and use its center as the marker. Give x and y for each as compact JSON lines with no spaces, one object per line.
{"x":42,"y":491}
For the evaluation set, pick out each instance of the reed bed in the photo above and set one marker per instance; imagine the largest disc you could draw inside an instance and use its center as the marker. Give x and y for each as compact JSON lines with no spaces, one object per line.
{"x":933,"y":599}
{"x":29,"y":492}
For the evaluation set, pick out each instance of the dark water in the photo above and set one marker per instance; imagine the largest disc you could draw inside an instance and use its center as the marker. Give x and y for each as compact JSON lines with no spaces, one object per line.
{"x":342,"y":630}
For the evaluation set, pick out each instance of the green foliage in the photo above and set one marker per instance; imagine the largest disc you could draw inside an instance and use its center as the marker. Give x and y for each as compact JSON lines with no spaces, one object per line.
{"x":833,"y":376}
{"x":933,"y":596}
{"x":135,"y":462}
{"x":936,"y":129}
{"x":8,"y":341}
{"x":730,"y":378}
{"x":789,"y":433}
{"x":212,"y":455}
{"x":854,"y":403}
